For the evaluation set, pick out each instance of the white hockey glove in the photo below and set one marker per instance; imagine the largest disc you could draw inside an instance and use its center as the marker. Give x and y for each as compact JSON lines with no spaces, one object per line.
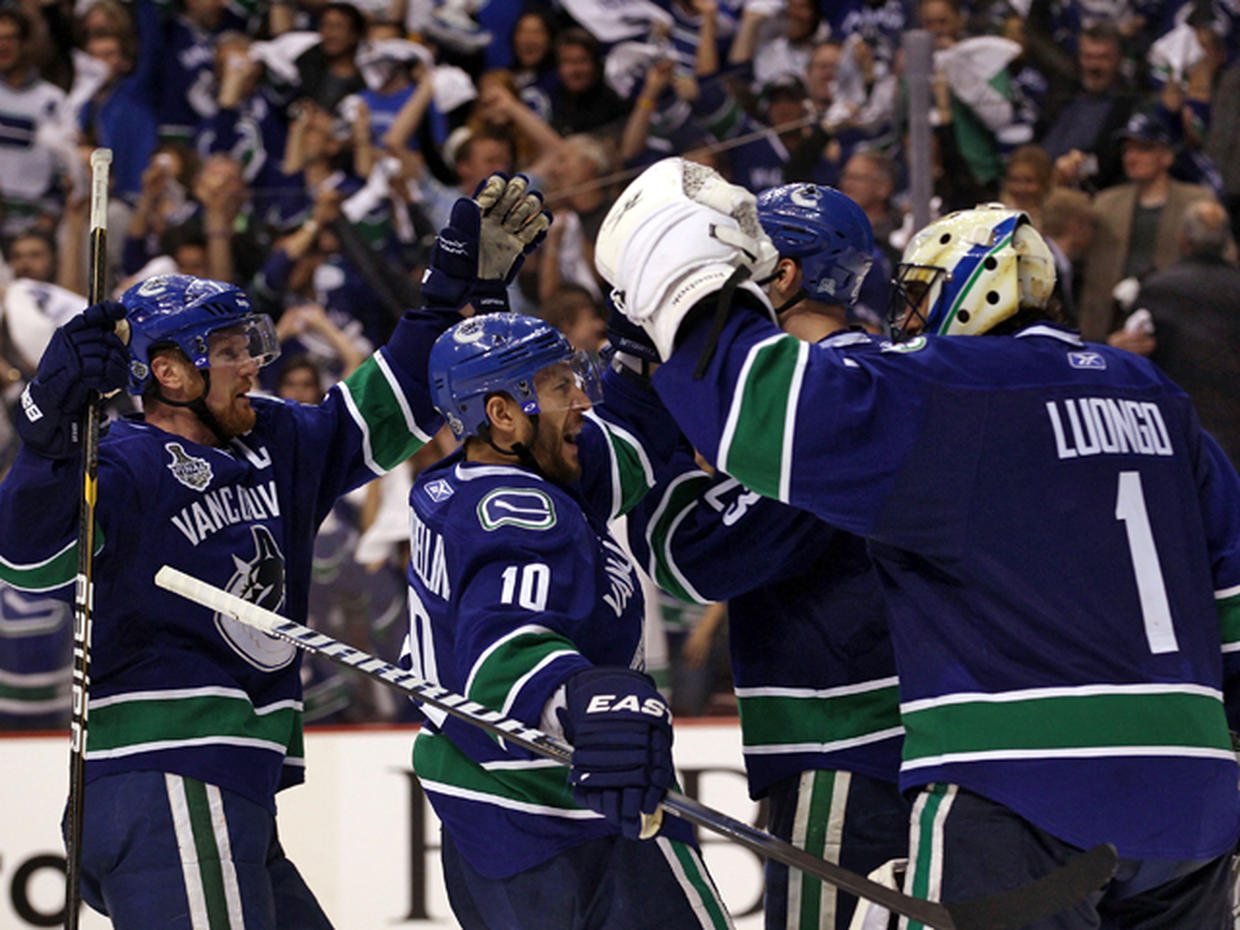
{"x":677,"y":234}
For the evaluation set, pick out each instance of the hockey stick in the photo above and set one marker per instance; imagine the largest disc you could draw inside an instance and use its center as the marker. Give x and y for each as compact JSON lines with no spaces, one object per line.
{"x":84,"y":591}
{"x":1006,"y":910}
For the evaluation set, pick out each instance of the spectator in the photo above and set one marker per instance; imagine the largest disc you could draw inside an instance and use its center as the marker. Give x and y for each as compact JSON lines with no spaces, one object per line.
{"x":120,"y":114}
{"x":786,"y":53}
{"x":1196,"y":329}
{"x":573,"y":310}
{"x":1027,"y":181}
{"x":580,"y":101}
{"x":578,"y":194}
{"x":1222,"y":143}
{"x":983,"y":118}
{"x":500,"y":108}
{"x":869,"y":179}
{"x":186,"y":80}
{"x":1085,"y":123}
{"x":533,"y":60}
{"x":1068,"y":224}
{"x":32,"y":109}
{"x":328,"y":71}
{"x":1138,"y":222}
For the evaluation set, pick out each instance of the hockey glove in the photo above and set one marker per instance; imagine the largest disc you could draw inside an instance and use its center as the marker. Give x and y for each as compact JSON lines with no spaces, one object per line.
{"x":84,"y":355}
{"x":627,"y":337}
{"x":478,"y":254}
{"x":621,"y":731}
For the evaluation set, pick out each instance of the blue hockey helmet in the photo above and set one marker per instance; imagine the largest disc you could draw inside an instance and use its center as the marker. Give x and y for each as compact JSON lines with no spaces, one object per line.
{"x":499,"y":352}
{"x":182,"y":310}
{"x":826,"y":231}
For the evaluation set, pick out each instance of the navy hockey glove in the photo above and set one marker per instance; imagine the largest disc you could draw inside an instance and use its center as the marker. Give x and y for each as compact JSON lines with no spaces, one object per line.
{"x":621,"y":731}
{"x":478,"y":254}
{"x":629,"y":337}
{"x":84,"y":355}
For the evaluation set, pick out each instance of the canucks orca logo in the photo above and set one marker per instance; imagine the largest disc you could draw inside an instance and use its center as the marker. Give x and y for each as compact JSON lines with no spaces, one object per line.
{"x":259,"y":581}
{"x":190,"y":470}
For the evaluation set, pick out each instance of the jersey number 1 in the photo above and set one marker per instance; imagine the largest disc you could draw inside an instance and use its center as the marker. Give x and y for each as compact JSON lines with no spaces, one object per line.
{"x":1155,"y":611}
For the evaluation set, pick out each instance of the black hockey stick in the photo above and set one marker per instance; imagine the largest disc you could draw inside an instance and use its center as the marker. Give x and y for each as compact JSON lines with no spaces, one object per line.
{"x":84,"y":590}
{"x":1007,"y":910}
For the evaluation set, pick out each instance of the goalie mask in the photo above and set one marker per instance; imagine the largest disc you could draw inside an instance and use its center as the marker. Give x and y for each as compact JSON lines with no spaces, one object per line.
{"x":826,"y":232}
{"x":675,"y":235}
{"x":968,"y":272}
{"x":182,"y":310}
{"x":499,"y":353}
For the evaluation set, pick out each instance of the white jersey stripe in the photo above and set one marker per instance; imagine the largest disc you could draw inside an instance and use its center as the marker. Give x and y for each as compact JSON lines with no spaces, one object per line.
{"x":194,"y":893}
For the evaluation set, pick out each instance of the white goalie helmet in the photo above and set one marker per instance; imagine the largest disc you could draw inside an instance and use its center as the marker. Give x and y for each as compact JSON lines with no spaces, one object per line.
{"x":969,"y":271}
{"x":675,"y":235}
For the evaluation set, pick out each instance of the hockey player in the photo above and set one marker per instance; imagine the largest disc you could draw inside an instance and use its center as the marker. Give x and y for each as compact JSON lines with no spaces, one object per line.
{"x":811,"y":658}
{"x":521,"y":600}
{"x":1050,"y":526}
{"x":195,"y":722}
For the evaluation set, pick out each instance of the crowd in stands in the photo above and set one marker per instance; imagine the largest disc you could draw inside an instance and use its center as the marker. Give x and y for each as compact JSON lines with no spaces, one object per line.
{"x":308,"y":152}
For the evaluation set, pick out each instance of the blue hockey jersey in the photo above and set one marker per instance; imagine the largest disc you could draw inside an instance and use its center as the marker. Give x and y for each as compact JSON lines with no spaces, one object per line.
{"x":811,"y":657}
{"x":174,"y":686}
{"x":1057,"y":540}
{"x":515,"y":584}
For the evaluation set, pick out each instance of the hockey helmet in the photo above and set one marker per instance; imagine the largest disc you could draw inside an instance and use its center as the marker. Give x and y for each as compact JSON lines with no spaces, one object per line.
{"x":969,"y":271}
{"x":826,"y":231}
{"x":183,"y":310}
{"x":494,"y":353}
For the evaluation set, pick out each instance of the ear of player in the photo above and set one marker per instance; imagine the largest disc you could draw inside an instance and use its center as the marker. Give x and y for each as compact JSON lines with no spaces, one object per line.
{"x":84,"y":355}
{"x":478,"y":254}
{"x":621,"y":731}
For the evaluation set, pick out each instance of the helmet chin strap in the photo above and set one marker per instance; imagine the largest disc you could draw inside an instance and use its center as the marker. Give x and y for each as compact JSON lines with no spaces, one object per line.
{"x":198,"y":407}
{"x":521,"y":450}
{"x":798,"y":296}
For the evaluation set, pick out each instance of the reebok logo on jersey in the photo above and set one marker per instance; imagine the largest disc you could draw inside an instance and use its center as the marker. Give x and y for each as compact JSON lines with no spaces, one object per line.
{"x":527,"y":508}
{"x":191,"y":471}
{"x":29,"y":407}
{"x":439,"y":490}
{"x":1090,"y":360}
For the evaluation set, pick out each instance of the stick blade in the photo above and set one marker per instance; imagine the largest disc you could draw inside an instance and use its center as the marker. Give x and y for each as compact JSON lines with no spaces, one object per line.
{"x":1064,"y":888}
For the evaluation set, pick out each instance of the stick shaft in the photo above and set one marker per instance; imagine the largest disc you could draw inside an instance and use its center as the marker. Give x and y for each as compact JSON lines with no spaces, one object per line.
{"x":928,"y":912}
{"x":84,"y":591}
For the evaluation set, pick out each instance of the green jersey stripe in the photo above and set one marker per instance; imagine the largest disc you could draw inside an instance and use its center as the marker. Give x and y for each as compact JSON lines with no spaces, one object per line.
{"x":678,"y":500}
{"x":506,"y":663}
{"x":375,"y":404}
{"x":1229,"y":621}
{"x":775,"y":721}
{"x":688,"y":867}
{"x":757,"y":439}
{"x":138,"y":726}
{"x":208,"y":853}
{"x":53,"y":572}
{"x":1090,"y":723}
{"x":926,"y":852}
{"x":539,"y":790}
{"x":631,"y":472}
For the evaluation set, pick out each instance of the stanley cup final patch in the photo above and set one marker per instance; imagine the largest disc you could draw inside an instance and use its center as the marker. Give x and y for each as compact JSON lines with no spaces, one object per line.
{"x":191,"y":471}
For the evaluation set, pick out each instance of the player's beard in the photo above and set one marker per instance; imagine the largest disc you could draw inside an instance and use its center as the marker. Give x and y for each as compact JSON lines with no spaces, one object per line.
{"x":552,"y":455}
{"x":236,"y":418}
